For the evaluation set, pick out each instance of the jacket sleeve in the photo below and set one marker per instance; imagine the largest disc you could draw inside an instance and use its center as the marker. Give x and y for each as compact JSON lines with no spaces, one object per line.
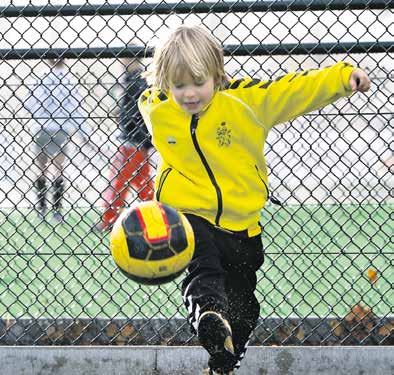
{"x":144,"y":109}
{"x":147,"y":102}
{"x":295,"y":94}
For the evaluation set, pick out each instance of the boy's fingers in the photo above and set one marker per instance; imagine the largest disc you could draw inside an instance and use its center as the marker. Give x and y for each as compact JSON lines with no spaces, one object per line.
{"x":360,"y":82}
{"x":354,"y":83}
{"x":364,"y":85}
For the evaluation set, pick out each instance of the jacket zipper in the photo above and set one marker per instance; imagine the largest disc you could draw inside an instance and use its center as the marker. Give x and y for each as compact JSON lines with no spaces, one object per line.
{"x":161,"y":182}
{"x":193,"y":127}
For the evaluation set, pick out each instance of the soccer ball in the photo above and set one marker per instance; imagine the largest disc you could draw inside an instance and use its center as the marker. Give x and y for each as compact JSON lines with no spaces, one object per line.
{"x":152,"y":243}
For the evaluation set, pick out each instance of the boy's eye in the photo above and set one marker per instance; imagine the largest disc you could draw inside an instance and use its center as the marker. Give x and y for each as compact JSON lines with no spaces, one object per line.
{"x":199,"y":83}
{"x":178,"y":85}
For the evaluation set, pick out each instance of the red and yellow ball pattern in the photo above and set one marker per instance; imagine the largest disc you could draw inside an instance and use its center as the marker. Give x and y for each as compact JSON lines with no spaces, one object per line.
{"x":152,"y":243}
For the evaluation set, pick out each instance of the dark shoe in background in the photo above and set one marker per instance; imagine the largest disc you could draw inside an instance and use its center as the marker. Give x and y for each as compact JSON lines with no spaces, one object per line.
{"x":58,"y":217}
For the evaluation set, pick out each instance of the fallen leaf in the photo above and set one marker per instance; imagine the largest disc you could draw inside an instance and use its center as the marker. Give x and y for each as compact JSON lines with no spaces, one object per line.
{"x":54,"y":332}
{"x":336,"y":327}
{"x":360,"y":311}
{"x":127,"y":330}
{"x":76,"y":329}
{"x":386,"y":329}
{"x":372,"y":275}
{"x":350,"y":316}
{"x":111,"y":330}
{"x":301,"y":334}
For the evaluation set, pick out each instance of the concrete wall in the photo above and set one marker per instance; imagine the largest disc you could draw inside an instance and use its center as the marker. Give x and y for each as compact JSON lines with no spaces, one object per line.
{"x":154,"y":360}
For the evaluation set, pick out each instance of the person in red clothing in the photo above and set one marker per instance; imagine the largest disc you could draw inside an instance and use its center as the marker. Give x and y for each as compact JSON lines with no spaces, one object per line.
{"x":130,"y":166}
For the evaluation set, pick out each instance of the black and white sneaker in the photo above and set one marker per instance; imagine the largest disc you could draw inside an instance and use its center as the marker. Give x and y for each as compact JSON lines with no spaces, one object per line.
{"x":208,"y":371}
{"x":214,"y":334}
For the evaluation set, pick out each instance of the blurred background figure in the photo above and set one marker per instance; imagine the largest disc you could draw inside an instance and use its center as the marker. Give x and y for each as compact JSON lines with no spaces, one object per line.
{"x":55,"y":106}
{"x":129,"y":166}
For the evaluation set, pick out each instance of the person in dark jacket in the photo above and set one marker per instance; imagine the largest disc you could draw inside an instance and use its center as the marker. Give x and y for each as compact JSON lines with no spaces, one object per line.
{"x":130,"y":166}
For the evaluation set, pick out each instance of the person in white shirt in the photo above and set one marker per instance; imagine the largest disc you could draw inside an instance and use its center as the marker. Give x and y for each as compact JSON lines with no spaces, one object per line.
{"x":55,"y":106}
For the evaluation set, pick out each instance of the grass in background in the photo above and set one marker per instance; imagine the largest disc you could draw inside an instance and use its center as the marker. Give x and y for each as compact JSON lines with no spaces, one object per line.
{"x":317,"y":258}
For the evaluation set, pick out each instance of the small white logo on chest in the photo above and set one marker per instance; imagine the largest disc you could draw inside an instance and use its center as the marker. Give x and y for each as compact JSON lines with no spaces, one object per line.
{"x":171,"y":140}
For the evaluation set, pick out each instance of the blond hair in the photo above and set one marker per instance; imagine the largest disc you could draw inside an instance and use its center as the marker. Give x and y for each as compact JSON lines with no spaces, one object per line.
{"x":189,"y":49}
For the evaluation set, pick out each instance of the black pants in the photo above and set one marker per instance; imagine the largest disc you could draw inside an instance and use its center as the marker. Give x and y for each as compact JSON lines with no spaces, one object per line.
{"x":222,"y":278}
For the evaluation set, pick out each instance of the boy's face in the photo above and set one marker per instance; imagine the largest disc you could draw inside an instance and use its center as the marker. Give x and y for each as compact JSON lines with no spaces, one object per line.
{"x":192,"y":96}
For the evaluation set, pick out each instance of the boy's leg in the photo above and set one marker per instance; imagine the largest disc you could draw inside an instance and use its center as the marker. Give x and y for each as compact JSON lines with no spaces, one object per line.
{"x":204,"y":295}
{"x":241,"y":281}
{"x":244,"y":311}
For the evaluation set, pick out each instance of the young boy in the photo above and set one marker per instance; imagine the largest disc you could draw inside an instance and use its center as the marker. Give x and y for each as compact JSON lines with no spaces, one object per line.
{"x":210,"y":133}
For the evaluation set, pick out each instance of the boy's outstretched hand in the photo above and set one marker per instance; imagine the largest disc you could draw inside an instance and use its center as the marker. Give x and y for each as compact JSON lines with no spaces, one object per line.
{"x":359,"y":81}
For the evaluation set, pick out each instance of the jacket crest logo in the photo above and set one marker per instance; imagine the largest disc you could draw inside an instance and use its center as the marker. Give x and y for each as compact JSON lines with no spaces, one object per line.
{"x":223,"y":135}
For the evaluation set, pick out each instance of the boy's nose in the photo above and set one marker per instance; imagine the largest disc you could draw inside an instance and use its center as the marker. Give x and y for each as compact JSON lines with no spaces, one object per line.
{"x":189,"y":93}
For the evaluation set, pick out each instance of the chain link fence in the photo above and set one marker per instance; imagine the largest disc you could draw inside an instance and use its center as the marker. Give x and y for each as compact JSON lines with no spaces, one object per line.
{"x":327,"y":275}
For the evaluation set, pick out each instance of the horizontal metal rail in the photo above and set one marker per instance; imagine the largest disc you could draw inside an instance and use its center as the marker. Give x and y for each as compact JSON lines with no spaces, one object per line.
{"x":185,"y":8}
{"x":229,"y":50}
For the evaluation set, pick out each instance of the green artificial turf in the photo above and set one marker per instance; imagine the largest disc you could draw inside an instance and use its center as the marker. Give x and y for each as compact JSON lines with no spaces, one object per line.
{"x":317,"y":258}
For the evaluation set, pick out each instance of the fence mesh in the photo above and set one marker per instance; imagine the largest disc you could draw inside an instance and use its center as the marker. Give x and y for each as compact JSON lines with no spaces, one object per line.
{"x":327,"y":276}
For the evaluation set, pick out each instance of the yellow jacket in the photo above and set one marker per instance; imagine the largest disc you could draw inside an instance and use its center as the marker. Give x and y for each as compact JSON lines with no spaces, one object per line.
{"x":213,"y":163}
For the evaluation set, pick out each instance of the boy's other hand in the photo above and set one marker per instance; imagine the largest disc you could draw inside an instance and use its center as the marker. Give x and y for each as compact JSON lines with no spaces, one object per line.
{"x":359,"y":81}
